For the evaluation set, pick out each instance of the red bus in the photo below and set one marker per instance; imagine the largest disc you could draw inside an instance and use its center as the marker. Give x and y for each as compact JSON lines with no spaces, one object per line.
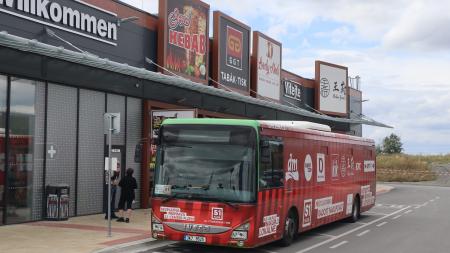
{"x":245,"y":183}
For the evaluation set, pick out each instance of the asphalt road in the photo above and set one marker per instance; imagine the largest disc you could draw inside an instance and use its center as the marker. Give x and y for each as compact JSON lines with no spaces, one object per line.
{"x":410,"y":218}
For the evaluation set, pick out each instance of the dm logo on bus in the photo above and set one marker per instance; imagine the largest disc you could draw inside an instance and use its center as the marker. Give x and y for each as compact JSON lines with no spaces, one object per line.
{"x":292,"y":171}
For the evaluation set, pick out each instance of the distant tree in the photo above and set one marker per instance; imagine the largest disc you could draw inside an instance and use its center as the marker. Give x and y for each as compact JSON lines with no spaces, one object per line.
{"x":392,"y":144}
{"x":379,"y":149}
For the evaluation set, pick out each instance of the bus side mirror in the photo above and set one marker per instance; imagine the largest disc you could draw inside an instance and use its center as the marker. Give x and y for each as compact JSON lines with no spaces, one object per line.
{"x":138,"y":153}
{"x":156,"y":140}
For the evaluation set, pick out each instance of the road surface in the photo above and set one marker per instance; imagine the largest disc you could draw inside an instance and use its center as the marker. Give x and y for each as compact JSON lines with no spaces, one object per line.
{"x":410,"y":218}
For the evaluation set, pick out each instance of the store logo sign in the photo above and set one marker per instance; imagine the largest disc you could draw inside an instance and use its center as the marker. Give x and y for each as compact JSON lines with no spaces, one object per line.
{"x":69,"y":19}
{"x":235,"y":40}
{"x":292,"y":90}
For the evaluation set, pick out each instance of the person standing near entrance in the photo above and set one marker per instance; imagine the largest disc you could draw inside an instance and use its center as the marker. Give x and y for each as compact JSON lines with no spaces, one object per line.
{"x":127,"y":185}
{"x":114,"y":183}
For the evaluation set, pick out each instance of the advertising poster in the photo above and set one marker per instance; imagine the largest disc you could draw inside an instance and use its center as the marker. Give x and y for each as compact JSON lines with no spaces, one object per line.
{"x":157,"y":117}
{"x":267,"y":66}
{"x":183,"y":45}
{"x":231,"y":53}
{"x":331,"y":83}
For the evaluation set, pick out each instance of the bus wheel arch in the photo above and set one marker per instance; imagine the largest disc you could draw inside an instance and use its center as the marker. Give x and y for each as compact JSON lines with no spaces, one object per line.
{"x":356,"y":209}
{"x":290,"y":228}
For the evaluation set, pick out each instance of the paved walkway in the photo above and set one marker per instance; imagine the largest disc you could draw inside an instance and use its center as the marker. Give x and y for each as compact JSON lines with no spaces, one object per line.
{"x":77,"y":235}
{"x":83,"y":234}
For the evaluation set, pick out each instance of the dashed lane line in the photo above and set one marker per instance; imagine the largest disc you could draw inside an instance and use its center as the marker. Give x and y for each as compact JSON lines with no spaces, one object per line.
{"x":408,"y":211}
{"x":376,"y":213}
{"x":396,"y":217}
{"x":338,"y":245}
{"x":382,"y":223}
{"x":351,"y":231}
{"x":363,"y":232}
{"x":321,"y":234}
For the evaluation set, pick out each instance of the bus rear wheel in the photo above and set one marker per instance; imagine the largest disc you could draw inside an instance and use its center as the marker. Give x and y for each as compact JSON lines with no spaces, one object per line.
{"x":290,"y":229}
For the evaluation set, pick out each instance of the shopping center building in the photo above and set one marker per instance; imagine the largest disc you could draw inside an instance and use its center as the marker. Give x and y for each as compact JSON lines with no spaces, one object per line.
{"x":65,"y":63}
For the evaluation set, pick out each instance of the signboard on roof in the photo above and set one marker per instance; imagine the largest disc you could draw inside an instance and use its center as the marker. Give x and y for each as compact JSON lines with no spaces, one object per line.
{"x":266,"y":66}
{"x":331,"y":88}
{"x":183,"y":39}
{"x":231,"y":53}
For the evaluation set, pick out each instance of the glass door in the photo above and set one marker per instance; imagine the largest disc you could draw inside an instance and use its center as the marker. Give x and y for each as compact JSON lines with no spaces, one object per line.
{"x":21,"y":151}
{"x":3,"y":94}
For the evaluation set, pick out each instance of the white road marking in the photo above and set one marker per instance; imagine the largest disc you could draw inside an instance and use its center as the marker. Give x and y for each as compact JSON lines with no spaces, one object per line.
{"x":417,"y":207}
{"x":431,"y":200}
{"x":363,"y":232}
{"x":382,"y":223}
{"x":396,"y":217}
{"x":320,"y":234}
{"x":408,"y":211}
{"x":339,"y":244}
{"x":350,"y":231}
{"x":361,"y":222}
{"x":376,"y":213}
{"x":267,"y":251}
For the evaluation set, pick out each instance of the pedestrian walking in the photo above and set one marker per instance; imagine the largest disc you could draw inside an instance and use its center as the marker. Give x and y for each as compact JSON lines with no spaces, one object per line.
{"x":114,"y":183}
{"x":127,"y":185}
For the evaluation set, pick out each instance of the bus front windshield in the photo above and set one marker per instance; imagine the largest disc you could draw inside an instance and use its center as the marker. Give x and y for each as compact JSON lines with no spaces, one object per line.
{"x":206,"y":162}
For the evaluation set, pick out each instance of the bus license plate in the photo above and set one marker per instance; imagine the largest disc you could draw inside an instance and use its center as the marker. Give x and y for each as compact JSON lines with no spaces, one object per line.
{"x":195,"y":238}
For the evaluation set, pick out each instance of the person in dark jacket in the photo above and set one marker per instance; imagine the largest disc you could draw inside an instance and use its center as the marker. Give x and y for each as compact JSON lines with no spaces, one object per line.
{"x":114,"y":183}
{"x":127,"y":184}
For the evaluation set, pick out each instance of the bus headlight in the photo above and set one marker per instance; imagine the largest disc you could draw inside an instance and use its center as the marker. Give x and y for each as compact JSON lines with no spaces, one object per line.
{"x":158,"y":227}
{"x":239,"y":235}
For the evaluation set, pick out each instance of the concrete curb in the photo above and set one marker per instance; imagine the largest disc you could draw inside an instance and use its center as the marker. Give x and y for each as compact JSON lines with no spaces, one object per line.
{"x":124,"y":245}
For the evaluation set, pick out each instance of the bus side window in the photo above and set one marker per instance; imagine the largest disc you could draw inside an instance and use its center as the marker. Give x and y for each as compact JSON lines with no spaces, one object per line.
{"x":271,"y":172}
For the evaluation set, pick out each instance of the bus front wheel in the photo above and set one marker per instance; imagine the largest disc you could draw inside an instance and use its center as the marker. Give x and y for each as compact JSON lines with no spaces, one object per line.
{"x":290,"y":229}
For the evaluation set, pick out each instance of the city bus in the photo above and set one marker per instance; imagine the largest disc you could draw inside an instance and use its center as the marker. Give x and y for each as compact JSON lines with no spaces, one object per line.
{"x":246,"y":183}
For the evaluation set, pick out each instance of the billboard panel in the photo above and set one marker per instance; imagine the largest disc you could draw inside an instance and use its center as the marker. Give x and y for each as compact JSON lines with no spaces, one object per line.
{"x":183,"y":39}
{"x":231,"y":53}
{"x":266,"y":66}
{"x":331,"y":88}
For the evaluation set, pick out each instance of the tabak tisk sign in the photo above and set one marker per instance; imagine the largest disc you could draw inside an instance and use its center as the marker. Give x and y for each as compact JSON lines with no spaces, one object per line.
{"x":331,"y":87}
{"x":267,"y":66}
{"x":183,"y":45}
{"x":231,"y":53}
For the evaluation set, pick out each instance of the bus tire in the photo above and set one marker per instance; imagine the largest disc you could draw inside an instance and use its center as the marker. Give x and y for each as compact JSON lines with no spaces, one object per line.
{"x":356,"y":210}
{"x":290,"y":229}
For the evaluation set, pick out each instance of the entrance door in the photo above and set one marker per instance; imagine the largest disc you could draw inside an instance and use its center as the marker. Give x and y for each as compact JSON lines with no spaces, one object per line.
{"x":119,"y":153}
{"x":3,"y":92}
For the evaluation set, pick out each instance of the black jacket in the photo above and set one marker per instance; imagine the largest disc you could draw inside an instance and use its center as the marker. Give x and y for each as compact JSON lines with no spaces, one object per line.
{"x":128,"y":184}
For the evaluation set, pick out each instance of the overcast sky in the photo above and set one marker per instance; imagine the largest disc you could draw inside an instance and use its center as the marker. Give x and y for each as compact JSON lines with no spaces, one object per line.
{"x":401,"y":50}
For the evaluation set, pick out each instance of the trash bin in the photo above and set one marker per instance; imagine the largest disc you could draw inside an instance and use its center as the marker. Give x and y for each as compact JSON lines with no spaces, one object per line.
{"x":57,"y":202}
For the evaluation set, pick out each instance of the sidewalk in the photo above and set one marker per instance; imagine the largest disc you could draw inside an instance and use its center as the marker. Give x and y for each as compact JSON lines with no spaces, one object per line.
{"x":77,"y":235}
{"x":84,"y":234}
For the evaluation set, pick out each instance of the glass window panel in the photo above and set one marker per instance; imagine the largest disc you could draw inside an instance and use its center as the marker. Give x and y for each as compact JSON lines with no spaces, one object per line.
{"x":21,"y":151}
{"x":3,"y":84}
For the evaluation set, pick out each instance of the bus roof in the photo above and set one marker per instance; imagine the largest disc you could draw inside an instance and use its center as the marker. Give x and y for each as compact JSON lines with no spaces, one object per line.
{"x":296,"y":126}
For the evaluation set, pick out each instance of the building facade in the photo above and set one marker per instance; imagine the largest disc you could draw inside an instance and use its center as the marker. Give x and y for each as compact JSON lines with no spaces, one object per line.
{"x":63,"y":65}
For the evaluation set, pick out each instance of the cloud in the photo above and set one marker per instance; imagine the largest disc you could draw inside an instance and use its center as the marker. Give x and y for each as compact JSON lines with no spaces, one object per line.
{"x":423,"y":26}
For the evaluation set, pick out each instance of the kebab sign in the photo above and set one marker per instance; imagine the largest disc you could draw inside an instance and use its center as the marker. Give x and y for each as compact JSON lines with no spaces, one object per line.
{"x":183,"y":46}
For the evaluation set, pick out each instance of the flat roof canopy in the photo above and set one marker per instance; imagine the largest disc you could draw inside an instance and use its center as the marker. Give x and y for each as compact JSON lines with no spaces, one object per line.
{"x":89,"y":71}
